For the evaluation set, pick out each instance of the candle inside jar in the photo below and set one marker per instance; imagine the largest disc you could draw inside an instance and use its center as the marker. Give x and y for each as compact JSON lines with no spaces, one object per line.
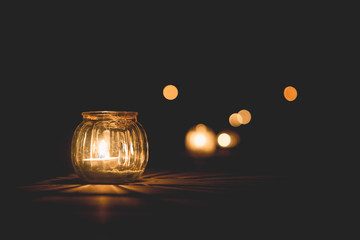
{"x":104,"y":161}
{"x":101,"y":163}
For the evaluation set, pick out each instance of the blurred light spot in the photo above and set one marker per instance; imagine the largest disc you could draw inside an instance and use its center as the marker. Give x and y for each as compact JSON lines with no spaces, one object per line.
{"x":200,"y":127}
{"x":170,"y":92}
{"x":224,"y":140}
{"x":228,"y":139}
{"x":290,"y":93}
{"x":245,"y":116}
{"x":235,"y":119}
{"x":200,"y":141}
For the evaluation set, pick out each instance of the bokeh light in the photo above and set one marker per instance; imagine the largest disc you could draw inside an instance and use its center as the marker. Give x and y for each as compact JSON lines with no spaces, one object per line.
{"x":170,"y":92}
{"x":200,"y":141}
{"x":224,"y":140}
{"x":290,"y":93}
{"x":235,"y":119}
{"x":228,"y":139}
{"x":245,"y":116}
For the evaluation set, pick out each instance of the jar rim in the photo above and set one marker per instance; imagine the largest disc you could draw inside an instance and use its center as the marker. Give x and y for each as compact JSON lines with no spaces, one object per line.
{"x":93,"y":115}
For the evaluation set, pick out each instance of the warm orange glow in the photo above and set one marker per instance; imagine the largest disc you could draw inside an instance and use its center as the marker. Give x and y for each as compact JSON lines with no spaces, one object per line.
{"x":200,"y":141}
{"x":224,"y":140}
{"x":235,"y":119}
{"x":112,"y":148}
{"x":103,"y":150}
{"x":245,"y":116}
{"x":170,"y":92}
{"x":228,"y":139}
{"x":290,"y":93}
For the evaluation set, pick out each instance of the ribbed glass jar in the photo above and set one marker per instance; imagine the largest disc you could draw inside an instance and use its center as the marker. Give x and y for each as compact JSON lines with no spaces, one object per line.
{"x":109,"y":147}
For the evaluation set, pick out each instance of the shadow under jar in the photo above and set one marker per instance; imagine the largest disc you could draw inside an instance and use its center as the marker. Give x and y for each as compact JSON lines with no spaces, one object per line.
{"x":109,"y":147}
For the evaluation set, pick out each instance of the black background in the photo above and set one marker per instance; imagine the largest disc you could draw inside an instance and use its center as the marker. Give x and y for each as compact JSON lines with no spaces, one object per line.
{"x":64,"y":60}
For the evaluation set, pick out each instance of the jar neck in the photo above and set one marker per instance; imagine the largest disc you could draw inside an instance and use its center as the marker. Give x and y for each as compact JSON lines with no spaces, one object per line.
{"x":110,"y":115}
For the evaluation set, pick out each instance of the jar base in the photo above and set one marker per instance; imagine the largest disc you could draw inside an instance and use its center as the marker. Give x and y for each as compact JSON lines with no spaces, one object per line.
{"x":111,"y":177}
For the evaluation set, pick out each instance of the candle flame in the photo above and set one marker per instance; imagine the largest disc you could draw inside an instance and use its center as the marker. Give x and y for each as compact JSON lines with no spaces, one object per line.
{"x":103,"y":150}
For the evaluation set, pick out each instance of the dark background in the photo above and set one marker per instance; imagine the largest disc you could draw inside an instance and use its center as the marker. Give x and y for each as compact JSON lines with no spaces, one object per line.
{"x":62,"y":61}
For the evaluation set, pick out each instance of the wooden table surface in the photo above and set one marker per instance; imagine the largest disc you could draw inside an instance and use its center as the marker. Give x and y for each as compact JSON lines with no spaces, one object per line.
{"x":179,"y":201}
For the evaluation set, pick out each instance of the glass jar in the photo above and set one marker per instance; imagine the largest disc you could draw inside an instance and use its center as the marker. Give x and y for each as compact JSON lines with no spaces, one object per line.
{"x":109,"y":147}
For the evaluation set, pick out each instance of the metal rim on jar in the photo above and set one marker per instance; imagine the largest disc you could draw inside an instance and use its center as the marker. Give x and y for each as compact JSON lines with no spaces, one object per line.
{"x":94,"y":115}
